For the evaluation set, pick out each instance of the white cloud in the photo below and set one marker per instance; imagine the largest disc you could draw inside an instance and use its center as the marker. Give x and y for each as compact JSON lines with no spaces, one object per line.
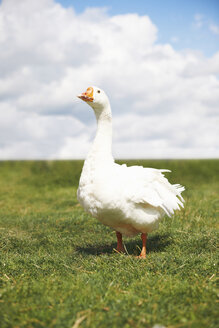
{"x":214,"y":28}
{"x":30,"y":135}
{"x":198,"y":20}
{"x":165,"y":102}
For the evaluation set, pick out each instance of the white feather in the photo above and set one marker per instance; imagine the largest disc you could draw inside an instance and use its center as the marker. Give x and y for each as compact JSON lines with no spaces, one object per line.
{"x":128,"y":199}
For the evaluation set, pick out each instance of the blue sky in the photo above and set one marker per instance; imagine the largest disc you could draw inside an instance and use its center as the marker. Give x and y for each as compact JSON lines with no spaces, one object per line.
{"x":175,"y":20}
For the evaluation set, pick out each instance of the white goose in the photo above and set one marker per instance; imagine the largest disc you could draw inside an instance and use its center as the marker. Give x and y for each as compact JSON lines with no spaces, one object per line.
{"x":130,"y":200}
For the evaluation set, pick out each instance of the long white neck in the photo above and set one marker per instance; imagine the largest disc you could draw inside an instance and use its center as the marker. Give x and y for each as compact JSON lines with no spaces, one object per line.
{"x":101,"y":149}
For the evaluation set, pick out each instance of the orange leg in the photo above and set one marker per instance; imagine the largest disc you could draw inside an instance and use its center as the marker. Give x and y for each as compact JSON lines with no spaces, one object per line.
{"x":120,"y":247}
{"x":144,"y":240}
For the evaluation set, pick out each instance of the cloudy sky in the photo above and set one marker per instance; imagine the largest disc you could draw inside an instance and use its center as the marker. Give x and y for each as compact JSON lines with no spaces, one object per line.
{"x":157,"y":60}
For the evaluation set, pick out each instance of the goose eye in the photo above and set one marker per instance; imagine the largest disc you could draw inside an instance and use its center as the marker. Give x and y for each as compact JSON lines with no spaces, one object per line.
{"x":98,"y":91}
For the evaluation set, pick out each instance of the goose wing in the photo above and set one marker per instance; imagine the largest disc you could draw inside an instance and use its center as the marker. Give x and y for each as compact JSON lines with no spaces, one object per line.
{"x":144,"y":186}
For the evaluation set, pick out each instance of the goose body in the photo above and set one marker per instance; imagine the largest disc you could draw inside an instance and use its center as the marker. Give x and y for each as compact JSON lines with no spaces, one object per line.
{"x":130,"y":200}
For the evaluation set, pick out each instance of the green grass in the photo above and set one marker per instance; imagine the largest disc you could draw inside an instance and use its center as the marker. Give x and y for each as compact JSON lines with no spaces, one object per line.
{"x":58,"y":267}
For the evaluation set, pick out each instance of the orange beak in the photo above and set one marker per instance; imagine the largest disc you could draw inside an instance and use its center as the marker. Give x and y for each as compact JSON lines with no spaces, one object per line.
{"x":88,"y":95}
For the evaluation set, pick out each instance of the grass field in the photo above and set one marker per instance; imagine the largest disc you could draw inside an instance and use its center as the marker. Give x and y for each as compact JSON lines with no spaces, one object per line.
{"x":58,"y":267}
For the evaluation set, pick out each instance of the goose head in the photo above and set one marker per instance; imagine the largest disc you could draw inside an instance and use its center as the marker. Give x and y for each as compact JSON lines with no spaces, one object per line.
{"x":95,"y":97}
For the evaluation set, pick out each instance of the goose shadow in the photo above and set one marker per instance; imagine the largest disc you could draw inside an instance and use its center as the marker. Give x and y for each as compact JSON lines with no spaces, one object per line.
{"x":156,"y":243}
